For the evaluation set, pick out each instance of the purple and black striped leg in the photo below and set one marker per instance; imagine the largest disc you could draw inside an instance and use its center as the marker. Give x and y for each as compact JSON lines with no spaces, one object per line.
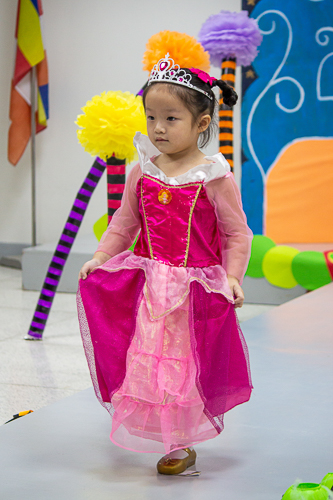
{"x":63,"y":249}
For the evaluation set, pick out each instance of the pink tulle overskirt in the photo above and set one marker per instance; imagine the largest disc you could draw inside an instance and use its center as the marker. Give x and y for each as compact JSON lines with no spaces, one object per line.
{"x":158,"y":407}
{"x":165,"y":351}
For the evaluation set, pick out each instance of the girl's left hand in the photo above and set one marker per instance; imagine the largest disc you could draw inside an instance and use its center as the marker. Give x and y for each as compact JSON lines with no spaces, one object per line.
{"x":236,"y":290}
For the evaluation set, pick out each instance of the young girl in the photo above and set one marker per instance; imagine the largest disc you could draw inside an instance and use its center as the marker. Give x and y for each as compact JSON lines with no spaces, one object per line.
{"x":165,"y":351}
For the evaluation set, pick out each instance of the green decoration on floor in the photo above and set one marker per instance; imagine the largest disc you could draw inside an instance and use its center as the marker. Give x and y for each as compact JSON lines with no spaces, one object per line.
{"x":276,"y":266}
{"x":307,"y":491}
{"x":285,"y":266}
{"x":260,"y":246}
{"x":310,"y":270}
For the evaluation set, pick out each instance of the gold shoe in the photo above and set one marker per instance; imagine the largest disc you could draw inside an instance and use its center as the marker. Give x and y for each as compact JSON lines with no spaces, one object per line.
{"x":169,"y":465}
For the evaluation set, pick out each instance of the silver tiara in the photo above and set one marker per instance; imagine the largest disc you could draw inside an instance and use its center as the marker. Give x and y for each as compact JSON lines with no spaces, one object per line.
{"x":166,"y":71}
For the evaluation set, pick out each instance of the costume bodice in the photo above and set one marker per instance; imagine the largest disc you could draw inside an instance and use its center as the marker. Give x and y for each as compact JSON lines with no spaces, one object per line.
{"x":179,"y":226}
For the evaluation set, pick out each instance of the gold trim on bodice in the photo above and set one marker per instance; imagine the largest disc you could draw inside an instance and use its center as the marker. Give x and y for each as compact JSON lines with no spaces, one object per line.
{"x":169,"y":187}
{"x":146,"y":222}
{"x":189,"y":224}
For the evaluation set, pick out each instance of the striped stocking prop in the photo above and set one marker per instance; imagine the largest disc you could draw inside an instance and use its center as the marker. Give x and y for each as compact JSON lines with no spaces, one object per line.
{"x":226,"y":135}
{"x":230,"y":36}
{"x":63,"y":249}
{"x":115,"y":188}
{"x":115,"y":184}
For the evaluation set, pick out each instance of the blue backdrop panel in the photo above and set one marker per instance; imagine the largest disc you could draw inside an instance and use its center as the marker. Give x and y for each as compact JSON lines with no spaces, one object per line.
{"x":288,"y":90}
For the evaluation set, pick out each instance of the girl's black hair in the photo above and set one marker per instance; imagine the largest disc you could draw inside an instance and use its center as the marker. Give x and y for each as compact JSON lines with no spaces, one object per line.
{"x":197,"y":103}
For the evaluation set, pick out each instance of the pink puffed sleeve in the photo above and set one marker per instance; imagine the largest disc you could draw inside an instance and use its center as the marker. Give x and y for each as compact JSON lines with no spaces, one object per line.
{"x":126,"y":222}
{"x":235,"y":234}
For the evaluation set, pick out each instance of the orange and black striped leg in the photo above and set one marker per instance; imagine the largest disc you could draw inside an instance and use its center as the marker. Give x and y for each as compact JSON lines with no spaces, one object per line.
{"x":226,"y":130}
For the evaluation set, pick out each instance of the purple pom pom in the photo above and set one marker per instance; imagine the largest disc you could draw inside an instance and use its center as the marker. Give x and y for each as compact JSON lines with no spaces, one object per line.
{"x":230,"y":34}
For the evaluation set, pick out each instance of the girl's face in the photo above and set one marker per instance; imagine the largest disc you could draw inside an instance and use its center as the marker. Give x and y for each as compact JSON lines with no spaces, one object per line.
{"x":170,"y":124}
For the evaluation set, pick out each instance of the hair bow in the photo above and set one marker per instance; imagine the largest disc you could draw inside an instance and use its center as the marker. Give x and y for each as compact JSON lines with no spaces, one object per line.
{"x":205,"y":77}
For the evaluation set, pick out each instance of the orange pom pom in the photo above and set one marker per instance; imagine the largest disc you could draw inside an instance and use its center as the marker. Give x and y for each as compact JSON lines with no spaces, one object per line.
{"x":185,"y":50}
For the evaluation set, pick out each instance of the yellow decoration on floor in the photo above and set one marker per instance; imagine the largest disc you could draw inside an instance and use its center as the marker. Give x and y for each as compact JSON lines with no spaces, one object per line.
{"x":185,"y":50}
{"x":276,"y":266}
{"x":109,"y":123}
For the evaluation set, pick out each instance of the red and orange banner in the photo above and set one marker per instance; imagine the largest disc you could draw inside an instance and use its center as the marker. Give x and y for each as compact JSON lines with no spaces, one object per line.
{"x":29,"y":53}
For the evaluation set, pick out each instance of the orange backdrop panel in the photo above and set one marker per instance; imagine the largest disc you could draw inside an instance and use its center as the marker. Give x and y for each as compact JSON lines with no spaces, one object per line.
{"x":299,"y":194}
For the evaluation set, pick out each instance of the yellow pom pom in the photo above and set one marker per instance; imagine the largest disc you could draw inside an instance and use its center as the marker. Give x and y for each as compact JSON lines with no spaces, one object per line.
{"x":109,"y":123}
{"x":185,"y":50}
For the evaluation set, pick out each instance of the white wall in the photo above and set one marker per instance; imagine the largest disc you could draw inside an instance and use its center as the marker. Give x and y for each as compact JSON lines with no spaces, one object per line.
{"x":92,"y":46}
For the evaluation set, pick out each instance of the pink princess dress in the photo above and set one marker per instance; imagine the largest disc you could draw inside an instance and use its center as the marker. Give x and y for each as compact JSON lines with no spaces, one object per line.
{"x":165,"y":351}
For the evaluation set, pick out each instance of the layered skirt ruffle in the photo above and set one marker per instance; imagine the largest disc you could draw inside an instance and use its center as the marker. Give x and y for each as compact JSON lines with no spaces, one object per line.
{"x":165,"y":352}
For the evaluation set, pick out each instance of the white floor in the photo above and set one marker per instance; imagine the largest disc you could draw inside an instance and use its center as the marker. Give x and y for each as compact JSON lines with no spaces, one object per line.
{"x":281,"y":436}
{"x":36,"y":374}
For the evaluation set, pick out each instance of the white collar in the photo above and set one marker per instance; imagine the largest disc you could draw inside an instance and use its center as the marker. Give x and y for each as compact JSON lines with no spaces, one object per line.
{"x":219,"y":167}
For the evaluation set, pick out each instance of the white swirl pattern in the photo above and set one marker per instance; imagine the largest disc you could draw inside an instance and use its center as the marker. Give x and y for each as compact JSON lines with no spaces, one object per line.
{"x":274,"y":80}
{"x":324,"y":41}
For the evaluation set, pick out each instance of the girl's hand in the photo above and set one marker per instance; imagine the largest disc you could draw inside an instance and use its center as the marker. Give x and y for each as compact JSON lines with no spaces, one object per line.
{"x":87,"y":268}
{"x":236,"y":290}
{"x":98,"y":259}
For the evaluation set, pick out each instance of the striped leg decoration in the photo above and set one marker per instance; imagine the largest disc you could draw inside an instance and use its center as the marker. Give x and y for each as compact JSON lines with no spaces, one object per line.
{"x":115,"y":189}
{"x":63,"y":249}
{"x":226,"y":113}
{"x":116,"y":184}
